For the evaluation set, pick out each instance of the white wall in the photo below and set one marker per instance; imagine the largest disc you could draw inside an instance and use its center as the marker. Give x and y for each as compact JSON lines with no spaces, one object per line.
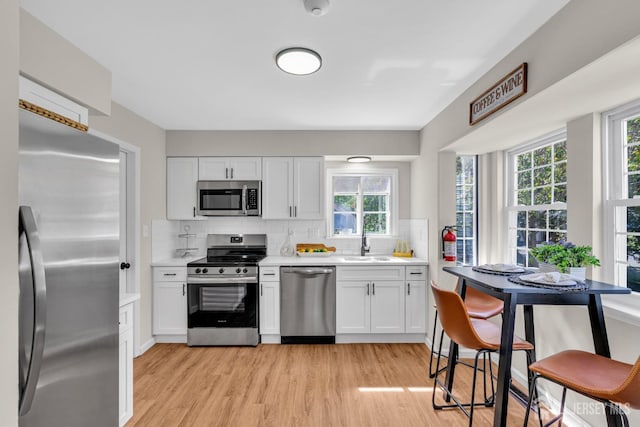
{"x":9,"y":212}
{"x":291,"y":143}
{"x":133,"y":129}
{"x":48,"y":58}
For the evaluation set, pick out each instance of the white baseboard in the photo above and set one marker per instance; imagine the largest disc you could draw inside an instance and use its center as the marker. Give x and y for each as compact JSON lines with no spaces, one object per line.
{"x":145,"y":346}
{"x":167,"y":339}
{"x":379,"y":338}
{"x":270,"y":339}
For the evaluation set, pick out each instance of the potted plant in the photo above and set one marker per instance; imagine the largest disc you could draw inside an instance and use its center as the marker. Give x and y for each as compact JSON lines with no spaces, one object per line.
{"x":566,"y":257}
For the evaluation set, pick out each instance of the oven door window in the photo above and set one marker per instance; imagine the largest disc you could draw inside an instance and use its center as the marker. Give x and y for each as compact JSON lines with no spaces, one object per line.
{"x":222,"y":305}
{"x":221,"y":200}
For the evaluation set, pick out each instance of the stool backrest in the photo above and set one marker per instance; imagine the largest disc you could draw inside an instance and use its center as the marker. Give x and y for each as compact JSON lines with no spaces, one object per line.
{"x":629,"y":390}
{"x":455,"y":319}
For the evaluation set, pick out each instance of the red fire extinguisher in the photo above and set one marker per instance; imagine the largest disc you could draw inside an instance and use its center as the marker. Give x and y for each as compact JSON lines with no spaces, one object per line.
{"x":448,"y":243}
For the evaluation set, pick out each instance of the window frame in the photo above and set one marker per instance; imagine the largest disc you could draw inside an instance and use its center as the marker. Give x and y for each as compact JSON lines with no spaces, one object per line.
{"x":462,"y":238}
{"x":512,"y":208}
{"x":392,"y":224}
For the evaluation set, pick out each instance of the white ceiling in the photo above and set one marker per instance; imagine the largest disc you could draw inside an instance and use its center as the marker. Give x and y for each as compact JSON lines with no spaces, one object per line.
{"x":198,"y":64}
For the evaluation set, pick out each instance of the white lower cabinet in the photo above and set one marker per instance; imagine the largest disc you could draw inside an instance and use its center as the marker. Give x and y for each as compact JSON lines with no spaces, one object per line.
{"x":367,"y":302}
{"x":125,"y":365}
{"x":269,"y":300}
{"x":170,"y":304}
{"x":378,"y":300}
{"x":416,"y":307}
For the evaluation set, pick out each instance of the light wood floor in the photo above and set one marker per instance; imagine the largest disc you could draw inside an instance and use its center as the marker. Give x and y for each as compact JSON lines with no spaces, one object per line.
{"x":296,"y":385}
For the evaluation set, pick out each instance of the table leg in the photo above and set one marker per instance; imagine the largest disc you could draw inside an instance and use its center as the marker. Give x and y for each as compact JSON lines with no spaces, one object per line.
{"x":530,"y":335}
{"x":601,"y":344}
{"x":504,"y":365}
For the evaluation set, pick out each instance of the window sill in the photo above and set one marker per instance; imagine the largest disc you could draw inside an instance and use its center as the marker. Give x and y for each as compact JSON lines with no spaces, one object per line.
{"x":625,"y":308}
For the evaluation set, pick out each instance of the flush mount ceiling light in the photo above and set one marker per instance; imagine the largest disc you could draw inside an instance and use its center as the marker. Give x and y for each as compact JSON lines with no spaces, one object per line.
{"x":316,"y":7}
{"x":358,"y":159}
{"x":299,"y":61}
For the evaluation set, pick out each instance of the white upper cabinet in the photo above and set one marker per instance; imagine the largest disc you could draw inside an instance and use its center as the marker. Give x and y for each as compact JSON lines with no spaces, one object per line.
{"x":292,"y":188}
{"x":182,"y":177}
{"x":230,"y":168}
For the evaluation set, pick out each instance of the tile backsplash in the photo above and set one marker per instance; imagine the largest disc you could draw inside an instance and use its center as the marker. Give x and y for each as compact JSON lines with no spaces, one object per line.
{"x":165,"y":233}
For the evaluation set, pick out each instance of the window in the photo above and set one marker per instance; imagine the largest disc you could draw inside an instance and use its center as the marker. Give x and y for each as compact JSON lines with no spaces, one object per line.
{"x":362,"y":197}
{"x":622,"y":205}
{"x":466,"y":209}
{"x":537,"y":183}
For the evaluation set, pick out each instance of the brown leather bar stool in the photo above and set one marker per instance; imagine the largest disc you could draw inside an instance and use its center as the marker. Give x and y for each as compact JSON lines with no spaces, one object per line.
{"x":597,"y":377}
{"x":475,"y":334}
{"x":479,"y":306}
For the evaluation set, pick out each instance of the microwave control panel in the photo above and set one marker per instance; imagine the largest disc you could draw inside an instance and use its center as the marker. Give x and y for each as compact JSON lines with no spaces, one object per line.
{"x":252,"y":198}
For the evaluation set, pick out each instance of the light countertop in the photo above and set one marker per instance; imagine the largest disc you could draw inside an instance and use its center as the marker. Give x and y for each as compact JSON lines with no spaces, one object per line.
{"x":176,"y":262}
{"x":342,"y":260}
{"x":128,"y":299}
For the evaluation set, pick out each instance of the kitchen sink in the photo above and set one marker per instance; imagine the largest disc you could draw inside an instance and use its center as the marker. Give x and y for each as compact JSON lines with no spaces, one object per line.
{"x":367,"y":258}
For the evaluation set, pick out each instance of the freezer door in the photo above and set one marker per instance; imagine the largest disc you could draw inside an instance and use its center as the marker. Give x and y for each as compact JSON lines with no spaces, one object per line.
{"x":70,"y":182}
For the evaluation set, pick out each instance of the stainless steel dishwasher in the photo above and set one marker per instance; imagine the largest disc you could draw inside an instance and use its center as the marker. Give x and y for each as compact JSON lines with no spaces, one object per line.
{"x":308,"y":305}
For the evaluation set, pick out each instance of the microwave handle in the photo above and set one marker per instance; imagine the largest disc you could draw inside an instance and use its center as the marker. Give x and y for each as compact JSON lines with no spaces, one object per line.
{"x":244,"y":199}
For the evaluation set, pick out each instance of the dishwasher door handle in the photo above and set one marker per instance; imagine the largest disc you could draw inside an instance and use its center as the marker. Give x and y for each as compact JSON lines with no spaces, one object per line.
{"x":310,"y":271}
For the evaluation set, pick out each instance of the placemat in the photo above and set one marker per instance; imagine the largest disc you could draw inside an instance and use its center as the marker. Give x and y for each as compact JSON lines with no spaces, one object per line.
{"x":498,"y":273}
{"x":578,"y":287}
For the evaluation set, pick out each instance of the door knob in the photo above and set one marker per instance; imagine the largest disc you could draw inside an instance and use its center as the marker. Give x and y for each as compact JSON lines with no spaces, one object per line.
{"x":124,"y":266}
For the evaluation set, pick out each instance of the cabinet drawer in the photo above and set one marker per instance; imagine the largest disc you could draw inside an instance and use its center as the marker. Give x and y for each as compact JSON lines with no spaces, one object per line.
{"x":169,"y":274}
{"x":418,"y":272}
{"x":125,"y":319}
{"x":370,"y":273}
{"x":270,"y":274}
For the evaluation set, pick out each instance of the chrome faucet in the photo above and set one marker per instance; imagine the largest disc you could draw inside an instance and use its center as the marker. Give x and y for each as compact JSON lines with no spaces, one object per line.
{"x":364,"y":248}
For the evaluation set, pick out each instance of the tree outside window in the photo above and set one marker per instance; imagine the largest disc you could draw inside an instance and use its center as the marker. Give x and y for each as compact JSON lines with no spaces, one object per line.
{"x":538,"y":196}
{"x":466,"y":209}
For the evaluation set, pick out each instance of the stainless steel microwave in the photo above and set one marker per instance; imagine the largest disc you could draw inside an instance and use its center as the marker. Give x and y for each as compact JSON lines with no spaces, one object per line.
{"x":229,"y":198}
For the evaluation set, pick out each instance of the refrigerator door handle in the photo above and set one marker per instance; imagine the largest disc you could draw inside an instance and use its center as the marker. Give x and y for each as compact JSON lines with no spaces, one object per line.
{"x":30,"y":229}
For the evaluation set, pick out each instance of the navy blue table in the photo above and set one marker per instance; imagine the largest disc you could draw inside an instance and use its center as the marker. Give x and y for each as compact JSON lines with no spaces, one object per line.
{"x":513,"y":294}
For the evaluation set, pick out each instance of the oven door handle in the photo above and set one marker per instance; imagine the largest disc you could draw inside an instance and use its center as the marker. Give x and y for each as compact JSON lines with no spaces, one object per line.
{"x":220,"y":280}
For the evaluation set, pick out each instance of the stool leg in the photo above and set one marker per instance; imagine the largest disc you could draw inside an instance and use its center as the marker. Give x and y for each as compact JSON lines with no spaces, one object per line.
{"x":473,"y":385}
{"x":433,"y":345}
{"x":532,"y":393}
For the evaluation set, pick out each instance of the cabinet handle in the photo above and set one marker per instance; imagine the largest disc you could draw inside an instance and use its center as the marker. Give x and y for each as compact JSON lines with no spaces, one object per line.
{"x":374,"y":289}
{"x":295,"y":211}
{"x":260,"y":290}
{"x":415,"y":272}
{"x":367,"y":289}
{"x":169,"y":274}
{"x":226,"y":173}
{"x":194,"y":211}
{"x":268,"y":274}
{"x":408,"y":288}
{"x":184,"y":290}
{"x":231,"y":173}
{"x":290,"y":211}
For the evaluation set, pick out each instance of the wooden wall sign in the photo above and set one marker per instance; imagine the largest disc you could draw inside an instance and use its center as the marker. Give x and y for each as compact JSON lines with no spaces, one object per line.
{"x":507,"y":90}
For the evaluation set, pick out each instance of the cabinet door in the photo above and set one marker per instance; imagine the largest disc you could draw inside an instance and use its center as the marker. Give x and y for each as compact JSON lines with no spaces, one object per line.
{"x":182,"y":176}
{"x":353,"y":309}
{"x":170,"y":308}
{"x":416,"y":307}
{"x":309,"y":187}
{"x":245,"y":168}
{"x":125,"y":377}
{"x":277,"y":187}
{"x":387,"y":307}
{"x":214,"y":168}
{"x":270,"y":308}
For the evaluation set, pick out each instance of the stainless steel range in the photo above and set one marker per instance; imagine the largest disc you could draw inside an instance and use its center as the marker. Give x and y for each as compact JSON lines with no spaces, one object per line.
{"x":222,"y":291}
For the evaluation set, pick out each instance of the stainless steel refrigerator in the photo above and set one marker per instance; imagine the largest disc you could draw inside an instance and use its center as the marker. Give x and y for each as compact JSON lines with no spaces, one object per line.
{"x":68,"y":197}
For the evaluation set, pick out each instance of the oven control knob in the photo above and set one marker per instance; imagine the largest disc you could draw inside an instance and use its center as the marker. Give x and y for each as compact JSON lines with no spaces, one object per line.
{"x":245,"y":270}
{"x":238,"y":271}
{"x":205,"y":270}
{"x":221,"y":271}
{"x":197,"y":270}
